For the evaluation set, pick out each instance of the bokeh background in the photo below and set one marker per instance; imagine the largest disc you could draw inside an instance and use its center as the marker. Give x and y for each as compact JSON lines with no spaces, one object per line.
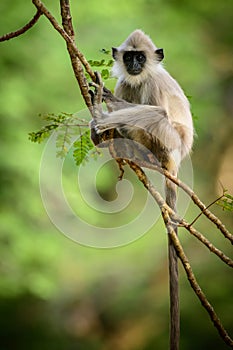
{"x":55,"y":293}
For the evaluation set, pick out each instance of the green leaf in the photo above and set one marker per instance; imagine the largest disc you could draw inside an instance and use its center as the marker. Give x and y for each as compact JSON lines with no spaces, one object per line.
{"x":105,"y":51}
{"x":42,"y":134}
{"x":110,"y":63}
{"x":105,"y":73}
{"x":96,"y":63}
{"x":226,"y":202}
{"x":63,"y":141}
{"x":82,"y":147}
{"x":66,"y":126}
{"x":54,"y":122}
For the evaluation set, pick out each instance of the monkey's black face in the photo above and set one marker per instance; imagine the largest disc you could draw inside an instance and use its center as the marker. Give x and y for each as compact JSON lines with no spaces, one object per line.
{"x":134,"y":61}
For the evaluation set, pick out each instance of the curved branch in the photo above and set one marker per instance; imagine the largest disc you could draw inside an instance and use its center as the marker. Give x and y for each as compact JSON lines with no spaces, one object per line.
{"x":22,"y":30}
{"x":177,"y":220}
{"x":166,"y":212}
{"x":192,"y":195}
{"x":207,"y":243}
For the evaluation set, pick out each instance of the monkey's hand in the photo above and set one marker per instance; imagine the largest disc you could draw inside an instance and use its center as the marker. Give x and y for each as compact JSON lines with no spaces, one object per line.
{"x":96,"y":96}
{"x":94,"y":135}
{"x":114,"y":103}
{"x":98,"y":115}
{"x":108,"y":96}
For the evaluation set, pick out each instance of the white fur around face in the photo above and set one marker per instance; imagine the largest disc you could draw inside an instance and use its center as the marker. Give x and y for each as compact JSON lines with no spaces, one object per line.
{"x":119,"y":71}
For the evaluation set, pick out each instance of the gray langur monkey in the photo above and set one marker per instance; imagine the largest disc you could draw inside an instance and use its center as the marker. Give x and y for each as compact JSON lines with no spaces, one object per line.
{"x":149,"y":107}
{"x":143,"y":80}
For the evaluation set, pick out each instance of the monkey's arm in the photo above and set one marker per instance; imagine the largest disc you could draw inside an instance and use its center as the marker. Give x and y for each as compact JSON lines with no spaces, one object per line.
{"x":151,"y":120}
{"x":145,"y":124}
{"x":127,"y":118}
{"x":114,"y":103}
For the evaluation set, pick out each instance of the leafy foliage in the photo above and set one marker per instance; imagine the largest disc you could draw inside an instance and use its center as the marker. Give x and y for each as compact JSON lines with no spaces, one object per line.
{"x":66,"y":127}
{"x":82,"y":147}
{"x":226,"y":202}
{"x":104,"y":64}
{"x":54,"y":122}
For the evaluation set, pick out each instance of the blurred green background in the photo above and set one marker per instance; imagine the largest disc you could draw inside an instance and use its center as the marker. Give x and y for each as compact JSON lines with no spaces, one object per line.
{"x":55,"y":293}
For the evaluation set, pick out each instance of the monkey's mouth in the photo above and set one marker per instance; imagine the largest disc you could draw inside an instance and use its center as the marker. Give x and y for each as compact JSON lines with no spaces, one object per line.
{"x":135,"y":72}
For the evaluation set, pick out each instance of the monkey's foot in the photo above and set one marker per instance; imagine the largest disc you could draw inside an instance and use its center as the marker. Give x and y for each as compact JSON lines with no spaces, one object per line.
{"x":96,"y":97}
{"x":99,"y":127}
{"x":121,"y":164}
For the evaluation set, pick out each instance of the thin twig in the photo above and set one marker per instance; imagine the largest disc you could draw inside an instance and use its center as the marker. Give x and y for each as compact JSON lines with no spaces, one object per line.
{"x":208,"y":206}
{"x":207,"y":243}
{"x":175,"y":218}
{"x":192,"y":195}
{"x":22,"y":30}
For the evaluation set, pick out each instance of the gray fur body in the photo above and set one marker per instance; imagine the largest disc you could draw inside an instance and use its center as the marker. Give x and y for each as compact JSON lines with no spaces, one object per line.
{"x":154,"y":87}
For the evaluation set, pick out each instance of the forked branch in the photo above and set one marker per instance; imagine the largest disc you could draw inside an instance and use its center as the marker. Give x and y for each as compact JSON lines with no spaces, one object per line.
{"x":173,"y":216}
{"x":180,"y":252}
{"x":194,"y":284}
{"x":196,"y":200}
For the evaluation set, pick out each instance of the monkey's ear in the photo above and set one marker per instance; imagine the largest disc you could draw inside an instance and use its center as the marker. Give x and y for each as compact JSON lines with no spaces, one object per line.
{"x":160,"y":55}
{"x":114,"y":52}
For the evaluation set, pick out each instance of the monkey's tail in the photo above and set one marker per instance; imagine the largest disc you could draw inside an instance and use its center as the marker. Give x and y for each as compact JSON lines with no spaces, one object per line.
{"x":171,"y":198}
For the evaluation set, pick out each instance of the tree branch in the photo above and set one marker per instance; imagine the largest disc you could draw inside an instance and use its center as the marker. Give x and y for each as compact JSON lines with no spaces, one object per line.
{"x":75,"y":55}
{"x":22,"y":30}
{"x":194,"y":284}
{"x":169,"y":216}
{"x":207,"y":243}
{"x":180,"y":252}
{"x":72,"y":49}
{"x":192,"y":195}
{"x":174,"y":217}
{"x":208,"y":206}
{"x":66,"y":18}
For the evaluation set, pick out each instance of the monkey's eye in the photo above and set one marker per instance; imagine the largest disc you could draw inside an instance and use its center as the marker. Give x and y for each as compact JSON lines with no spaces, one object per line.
{"x":141,"y":58}
{"x":127,"y":57}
